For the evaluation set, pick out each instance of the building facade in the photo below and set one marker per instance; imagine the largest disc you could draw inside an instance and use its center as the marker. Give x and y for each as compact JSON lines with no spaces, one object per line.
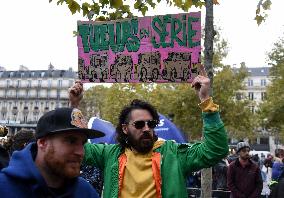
{"x":256,"y":84}
{"x":255,"y":90}
{"x":25,"y":95}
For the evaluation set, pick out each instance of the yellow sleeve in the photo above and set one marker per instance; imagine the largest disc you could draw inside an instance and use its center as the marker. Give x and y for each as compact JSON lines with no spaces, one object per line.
{"x":208,"y":105}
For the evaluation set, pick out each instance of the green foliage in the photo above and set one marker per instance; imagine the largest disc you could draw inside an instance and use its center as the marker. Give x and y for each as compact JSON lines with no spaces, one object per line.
{"x":236,"y":115}
{"x":117,"y":9}
{"x":272,"y":110}
{"x":260,"y":13}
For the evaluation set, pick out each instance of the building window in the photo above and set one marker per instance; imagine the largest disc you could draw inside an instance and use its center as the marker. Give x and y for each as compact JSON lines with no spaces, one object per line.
{"x":59,"y":83}
{"x":49,"y":83}
{"x":29,"y":83}
{"x":39,"y":83}
{"x":250,"y":95}
{"x":250,"y":82}
{"x":263,"y":82}
{"x":8,"y":83}
{"x":264,"y":140}
{"x":48,"y":93}
{"x":58,"y":94}
{"x":18,"y":83}
{"x":238,"y":96}
{"x":251,"y":109}
{"x":263,"y":95}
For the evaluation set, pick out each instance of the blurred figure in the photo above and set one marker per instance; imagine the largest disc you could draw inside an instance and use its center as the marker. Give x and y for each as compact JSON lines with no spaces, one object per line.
{"x":277,"y":188}
{"x":244,"y":177}
{"x":278,"y":165}
{"x":220,"y":175}
{"x":3,"y":131}
{"x":4,"y":157}
{"x":255,"y":158}
{"x":21,"y":139}
{"x":233,"y":156}
{"x":4,"y":154}
{"x":261,"y":167}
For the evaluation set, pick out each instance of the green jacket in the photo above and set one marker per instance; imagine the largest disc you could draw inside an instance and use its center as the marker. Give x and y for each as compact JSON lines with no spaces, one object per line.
{"x":177,"y":160}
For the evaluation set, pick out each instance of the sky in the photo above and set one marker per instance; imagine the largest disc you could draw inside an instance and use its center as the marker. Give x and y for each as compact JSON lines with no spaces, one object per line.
{"x":35,"y":33}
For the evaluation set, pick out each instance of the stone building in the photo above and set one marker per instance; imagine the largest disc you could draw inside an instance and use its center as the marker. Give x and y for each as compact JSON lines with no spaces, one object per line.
{"x":25,"y":95}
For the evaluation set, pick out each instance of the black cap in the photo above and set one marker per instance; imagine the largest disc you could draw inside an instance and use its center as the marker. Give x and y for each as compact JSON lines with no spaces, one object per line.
{"x":64,"y":120}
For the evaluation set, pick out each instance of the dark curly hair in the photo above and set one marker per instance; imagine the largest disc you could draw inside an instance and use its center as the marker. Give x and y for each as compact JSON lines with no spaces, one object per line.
{"x":124,"y":118}
{"x":21,"y":139}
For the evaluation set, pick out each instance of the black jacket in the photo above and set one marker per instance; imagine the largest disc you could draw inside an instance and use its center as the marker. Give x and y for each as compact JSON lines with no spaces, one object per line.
{"x":4,"y":157}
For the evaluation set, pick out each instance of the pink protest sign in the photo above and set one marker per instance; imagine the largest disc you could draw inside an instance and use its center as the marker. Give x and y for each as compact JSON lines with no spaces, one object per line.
{"x":148,"y":49}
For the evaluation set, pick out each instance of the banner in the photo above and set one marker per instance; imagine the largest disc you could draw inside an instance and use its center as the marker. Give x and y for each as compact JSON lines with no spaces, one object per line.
{"x":147,"y":49}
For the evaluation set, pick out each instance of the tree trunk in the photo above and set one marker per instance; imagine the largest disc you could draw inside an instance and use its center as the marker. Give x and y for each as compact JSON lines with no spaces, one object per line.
{"x":206,"y":174}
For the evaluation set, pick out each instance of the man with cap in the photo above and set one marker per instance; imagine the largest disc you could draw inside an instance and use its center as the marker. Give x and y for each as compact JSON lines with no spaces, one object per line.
{"x":244,"y":177}
{"x":51,"y":166}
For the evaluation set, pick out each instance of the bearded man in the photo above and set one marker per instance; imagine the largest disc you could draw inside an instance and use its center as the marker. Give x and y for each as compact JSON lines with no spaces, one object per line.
{"x":51,"y":166}
{"x":244,"y":177}
{"x":141,"y":166}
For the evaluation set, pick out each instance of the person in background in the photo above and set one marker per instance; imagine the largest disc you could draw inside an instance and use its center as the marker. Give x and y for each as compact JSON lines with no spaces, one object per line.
{"x":277,"y":189}
{"x":233,"y":156}
{"x":219,"y":175}
{"x":22,"y":139}
{"x":4,"y":154}
{"x":278,"y":166}
{"x":51,"y":166}
{"x":244,"y":177}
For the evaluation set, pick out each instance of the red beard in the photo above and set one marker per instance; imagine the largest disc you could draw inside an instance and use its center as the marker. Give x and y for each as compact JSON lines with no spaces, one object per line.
{"x":63,"y":166}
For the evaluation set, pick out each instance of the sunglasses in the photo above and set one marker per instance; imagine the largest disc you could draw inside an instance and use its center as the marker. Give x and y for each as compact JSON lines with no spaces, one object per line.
{"x":139,"y":124}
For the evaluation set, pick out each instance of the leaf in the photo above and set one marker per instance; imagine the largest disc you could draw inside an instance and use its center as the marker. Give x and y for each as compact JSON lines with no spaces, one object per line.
{"x":116,"y":3}
{"x":75,"y":33}
{"x":257,"y":11}
{"x":178,"y":3}
{"x":96,"y":8}
{"x":259,"y":19}
{"x":151,"y":3}
{"x":73,"y":6}
{"x":137,"y":4}
{"x":187,"y":5}
{"x":266,"y":5}
{"x":144,"y":9}
{"x":60,"y":2}
{"x":85,"y":8}
{"x":215,"y":2}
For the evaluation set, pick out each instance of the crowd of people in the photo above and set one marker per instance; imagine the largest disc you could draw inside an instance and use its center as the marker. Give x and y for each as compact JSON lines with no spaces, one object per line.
{"x":48,"y":163}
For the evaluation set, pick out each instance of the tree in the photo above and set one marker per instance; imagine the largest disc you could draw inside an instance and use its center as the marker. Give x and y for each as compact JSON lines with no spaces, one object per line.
{"x":93,"y":101}
{"x":272,"y":110}
{"x":261,"y":9}
{"x":117,"y":9}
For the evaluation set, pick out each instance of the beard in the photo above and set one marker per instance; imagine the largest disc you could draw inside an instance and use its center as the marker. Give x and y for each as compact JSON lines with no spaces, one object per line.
{"x":144,"y":144}
{"x":245,"y":157}
{"x":62,"y":166}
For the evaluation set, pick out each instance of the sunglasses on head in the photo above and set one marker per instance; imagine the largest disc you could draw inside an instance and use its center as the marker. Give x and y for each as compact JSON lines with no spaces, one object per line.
{"x":139,"y":124}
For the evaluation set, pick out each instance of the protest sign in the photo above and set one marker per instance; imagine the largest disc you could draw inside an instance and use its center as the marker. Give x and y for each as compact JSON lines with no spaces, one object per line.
{"x":147,"y":49}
